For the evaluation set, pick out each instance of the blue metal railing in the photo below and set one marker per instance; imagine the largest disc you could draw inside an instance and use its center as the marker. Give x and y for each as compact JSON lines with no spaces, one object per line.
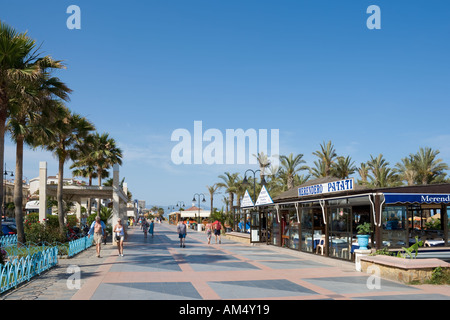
{"x":20,"y":270}
{"x":8,"y":240}
{"x":27,"y":261}
{"x":76,"y":246}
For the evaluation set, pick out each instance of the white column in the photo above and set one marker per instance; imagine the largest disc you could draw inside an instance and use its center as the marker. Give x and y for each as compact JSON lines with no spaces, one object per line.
{"x":42,"y":190}
{"x":116,"y":197}
{"x":78,"y":210}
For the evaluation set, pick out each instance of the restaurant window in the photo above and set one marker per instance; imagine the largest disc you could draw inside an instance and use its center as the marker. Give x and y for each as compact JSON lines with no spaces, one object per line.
{"x":448,"y":225}
{"x":275,"y":236}
{"x":426,"y":224}
{"x":340,"y":232}
{"x":293,"y":230}
{"x":394,"y":223}
{"x":243,"y":222}
{"x":307,"y":242}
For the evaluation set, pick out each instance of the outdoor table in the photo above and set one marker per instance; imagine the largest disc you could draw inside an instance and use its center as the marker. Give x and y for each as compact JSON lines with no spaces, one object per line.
{"x":434,"y":243}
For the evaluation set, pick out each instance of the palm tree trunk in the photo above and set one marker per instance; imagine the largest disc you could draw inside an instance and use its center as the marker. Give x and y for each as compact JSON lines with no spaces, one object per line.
{"x":99,"y":201}
{"x":212,"y":202}
{"x":18,"y":190}
{"x":2,"y":151}
{"x":59,"y":195}
{"x":231,"y":201}
{"x":90,"y":200}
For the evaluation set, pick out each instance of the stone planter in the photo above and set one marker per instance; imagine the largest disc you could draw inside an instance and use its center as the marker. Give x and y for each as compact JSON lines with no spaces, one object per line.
{"x":402,"y":270}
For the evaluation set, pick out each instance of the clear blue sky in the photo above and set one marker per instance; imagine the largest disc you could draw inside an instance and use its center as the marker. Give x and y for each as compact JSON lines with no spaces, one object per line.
{"x":312,"y":69}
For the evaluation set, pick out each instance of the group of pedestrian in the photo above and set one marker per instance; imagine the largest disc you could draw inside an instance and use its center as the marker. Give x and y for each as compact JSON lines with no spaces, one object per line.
{"x":98,"y":231}
{"x":211,"y":228}
{"x":147,"y":227}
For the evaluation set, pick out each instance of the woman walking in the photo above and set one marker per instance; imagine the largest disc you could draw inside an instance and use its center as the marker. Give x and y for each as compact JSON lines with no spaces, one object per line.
{"x":144,"y":226}
{"x":119,"y":236}
{"x":208,"y":230}
{"x":150,"y":230}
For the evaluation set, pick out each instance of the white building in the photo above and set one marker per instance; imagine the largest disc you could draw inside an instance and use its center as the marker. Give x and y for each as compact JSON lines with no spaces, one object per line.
{"x":34,"y":183}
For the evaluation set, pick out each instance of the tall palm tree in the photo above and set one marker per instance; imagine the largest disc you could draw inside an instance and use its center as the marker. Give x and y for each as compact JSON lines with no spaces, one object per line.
{"x":18,"y":62}
{"x":344,"y":167}
{"x":382,"y":175}
{"x":406,"y":170}
{"x":319,"y":171}
{"x":104,"y":154}
{"x":212,"y":191}
{"x":429,"y":169}
{"x":263,"y":162}
{"x":363,"y":171}
{"x":68,"y":131}
{"x":229,"y":183}
{"x":327,"y":155}
{"x":25,"y":124}
{"x":86,"y":171}
{"x":291,"y":166}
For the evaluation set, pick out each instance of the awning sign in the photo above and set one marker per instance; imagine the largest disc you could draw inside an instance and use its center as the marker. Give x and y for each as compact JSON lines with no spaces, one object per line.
{"x":416,"y":198}
{"x":335,"y":186}
{"x":247,"y":200}
{"x":264,"y":197}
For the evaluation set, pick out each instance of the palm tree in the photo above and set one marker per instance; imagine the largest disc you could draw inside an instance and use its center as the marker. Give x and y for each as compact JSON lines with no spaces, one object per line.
{"x":363,"y":171}
{"x":24,"y":124}
{"x":86,"y":171}
{"x":326,"y":155}
{"x":429,"y":169}
{"x":344,"y":167}
{"x":291,"y":166}
{"x":319,"y":171}
{"x":104,"y":154}
{"x":68,"y":132}
{"x":406,"y":170}
{"x":263,"y":162}
{"x":229,"y":183}
{"x":212,"y":190}
{"x":18,"y":62}
{"x":382,"y":175}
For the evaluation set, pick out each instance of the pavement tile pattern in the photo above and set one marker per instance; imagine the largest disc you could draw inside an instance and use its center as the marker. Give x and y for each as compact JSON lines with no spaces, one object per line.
{"x":156,"y":268}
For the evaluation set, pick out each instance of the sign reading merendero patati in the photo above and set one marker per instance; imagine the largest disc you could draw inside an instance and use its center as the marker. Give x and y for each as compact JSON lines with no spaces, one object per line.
{"x":335,"y":186}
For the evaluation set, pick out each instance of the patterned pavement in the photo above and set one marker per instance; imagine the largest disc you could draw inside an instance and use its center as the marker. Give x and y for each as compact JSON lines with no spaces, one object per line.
{"x":156,"y":268}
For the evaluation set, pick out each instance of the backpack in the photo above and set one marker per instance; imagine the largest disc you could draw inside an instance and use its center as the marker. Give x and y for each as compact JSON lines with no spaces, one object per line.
{"x":218,"y":226}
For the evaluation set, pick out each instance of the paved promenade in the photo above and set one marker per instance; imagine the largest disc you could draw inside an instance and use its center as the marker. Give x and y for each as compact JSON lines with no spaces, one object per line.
{"x":156,"y":268}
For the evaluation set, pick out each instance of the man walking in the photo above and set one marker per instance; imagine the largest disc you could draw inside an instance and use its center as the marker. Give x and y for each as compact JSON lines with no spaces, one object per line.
{"x":98,"y":230}
{"x":181,"y":228}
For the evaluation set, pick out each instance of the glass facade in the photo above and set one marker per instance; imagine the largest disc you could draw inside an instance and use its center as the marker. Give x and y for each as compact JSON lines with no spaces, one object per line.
{"x":331,"y":228}
{"x":394,"y":223}
{"x":448,"y":225}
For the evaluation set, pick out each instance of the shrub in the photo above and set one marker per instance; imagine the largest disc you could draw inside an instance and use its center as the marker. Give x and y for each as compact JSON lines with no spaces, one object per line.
{"x":3,"y":256}
{"x":41,"y":233}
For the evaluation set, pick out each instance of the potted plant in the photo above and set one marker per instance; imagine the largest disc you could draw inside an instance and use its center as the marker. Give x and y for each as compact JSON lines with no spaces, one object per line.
{"x":363,"y":235}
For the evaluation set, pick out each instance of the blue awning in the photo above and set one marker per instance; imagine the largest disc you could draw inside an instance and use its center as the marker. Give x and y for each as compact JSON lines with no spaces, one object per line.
{"x":391,"y":198}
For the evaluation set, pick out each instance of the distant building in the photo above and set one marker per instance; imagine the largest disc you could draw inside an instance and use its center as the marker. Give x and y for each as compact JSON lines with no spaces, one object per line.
{"x":34,"y":183}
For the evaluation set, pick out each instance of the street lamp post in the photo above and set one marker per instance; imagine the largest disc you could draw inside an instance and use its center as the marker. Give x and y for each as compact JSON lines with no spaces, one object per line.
{"x":193,"y":201}
{"x":245,"y":182}
{"x":180,"y":204}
